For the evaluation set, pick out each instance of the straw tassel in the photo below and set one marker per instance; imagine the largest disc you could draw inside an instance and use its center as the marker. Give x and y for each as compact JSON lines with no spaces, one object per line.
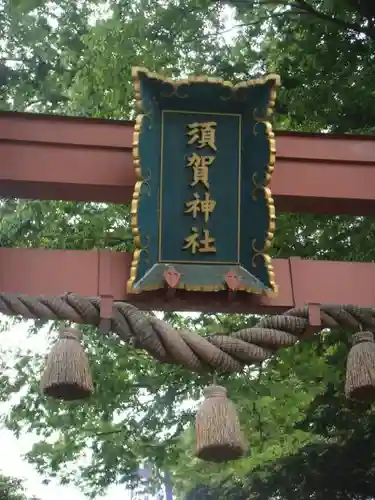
{"x":218,"y":433}
{"x":360,"y":368}
{"x":67,"y":372}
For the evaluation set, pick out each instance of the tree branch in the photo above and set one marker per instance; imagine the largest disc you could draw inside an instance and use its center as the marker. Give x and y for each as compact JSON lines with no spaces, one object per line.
{"x":219,"y":320}
{"x":253,"y":23}
{"x":304,"y":7}
{"x":259,"y":417}
{"x":308,"y":8}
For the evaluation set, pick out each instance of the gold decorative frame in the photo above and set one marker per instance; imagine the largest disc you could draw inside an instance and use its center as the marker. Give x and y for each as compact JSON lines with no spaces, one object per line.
{"x":176,"y":84}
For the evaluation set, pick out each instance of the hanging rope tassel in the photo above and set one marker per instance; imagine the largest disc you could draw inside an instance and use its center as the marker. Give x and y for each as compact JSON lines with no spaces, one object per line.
{"x":360,"y":368}
{"x":67,"y":372}
{"x":218,"y":433}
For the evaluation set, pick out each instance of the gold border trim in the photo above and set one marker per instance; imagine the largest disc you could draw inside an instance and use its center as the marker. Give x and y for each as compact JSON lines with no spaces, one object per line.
{"x":136,"y":73}
{"x":134,"y":206}
{"x":267,"y":191}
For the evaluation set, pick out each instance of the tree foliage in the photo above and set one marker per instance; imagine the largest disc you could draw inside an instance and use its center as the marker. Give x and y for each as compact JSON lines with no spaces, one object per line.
{"x":12,"y":489}
{"x":75,"y":58}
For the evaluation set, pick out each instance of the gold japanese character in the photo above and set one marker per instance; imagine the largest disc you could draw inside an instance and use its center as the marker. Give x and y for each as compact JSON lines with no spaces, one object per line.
{"x":206,"y":245}
{"x":200,"y":165}
{"x":206,"y":206}
{"x":192,"y":241}
{"x":203,"y":133}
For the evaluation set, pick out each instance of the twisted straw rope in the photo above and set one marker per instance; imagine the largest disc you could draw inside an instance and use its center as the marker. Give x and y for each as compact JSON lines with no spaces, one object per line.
{"x":221,"y":353}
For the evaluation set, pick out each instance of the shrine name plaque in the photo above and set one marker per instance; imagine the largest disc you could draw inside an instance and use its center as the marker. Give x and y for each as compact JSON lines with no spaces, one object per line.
{"x":202,"y":212}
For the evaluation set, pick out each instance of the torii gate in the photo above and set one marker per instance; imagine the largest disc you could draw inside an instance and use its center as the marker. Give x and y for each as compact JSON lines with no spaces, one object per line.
{"x":78,"y":159}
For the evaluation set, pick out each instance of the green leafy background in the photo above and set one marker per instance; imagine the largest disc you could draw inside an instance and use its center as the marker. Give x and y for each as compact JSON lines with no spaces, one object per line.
{"x":69,"y":57}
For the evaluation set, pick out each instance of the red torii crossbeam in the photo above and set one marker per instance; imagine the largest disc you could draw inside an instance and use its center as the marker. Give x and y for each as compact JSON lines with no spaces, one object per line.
{"x":81,"y":159}
{"x":78,"y":159}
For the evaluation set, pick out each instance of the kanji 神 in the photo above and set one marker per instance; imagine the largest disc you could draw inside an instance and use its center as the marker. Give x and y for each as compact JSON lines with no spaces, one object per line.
{"x":203,"y":133}
{"x":205,"y":206}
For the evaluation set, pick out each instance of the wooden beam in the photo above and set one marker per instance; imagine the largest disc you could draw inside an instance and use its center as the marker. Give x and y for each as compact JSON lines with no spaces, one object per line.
{"x":79,"y":159}
{"x":56,"y":272}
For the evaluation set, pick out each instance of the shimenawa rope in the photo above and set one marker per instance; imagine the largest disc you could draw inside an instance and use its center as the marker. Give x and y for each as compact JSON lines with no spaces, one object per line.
{"x":219,"y":353}
{"x":218,"y":434}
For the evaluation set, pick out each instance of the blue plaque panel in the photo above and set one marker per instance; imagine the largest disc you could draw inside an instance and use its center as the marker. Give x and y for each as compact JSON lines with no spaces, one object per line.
{"x":204,"y":154}
{"x":200,"y":188}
